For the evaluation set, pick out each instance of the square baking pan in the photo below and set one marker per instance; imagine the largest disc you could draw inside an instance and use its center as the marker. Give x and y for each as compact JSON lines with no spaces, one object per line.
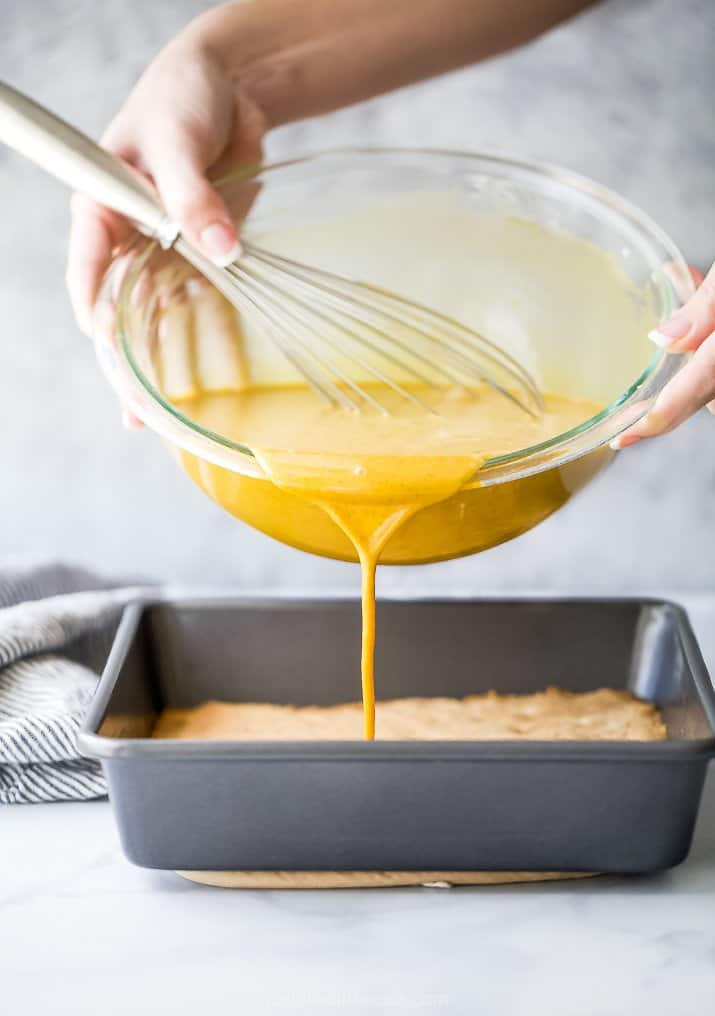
{"x":606,"y":806}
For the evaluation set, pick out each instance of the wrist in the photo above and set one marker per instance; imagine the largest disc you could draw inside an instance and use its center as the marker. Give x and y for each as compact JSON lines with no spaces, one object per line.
{"x":245,"y":41}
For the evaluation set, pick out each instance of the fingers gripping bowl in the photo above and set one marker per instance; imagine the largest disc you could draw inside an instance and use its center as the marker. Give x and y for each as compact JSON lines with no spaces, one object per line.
{"x":562,"y":274}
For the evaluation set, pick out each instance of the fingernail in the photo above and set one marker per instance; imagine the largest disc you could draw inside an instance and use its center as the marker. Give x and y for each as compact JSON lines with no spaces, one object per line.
{"x":197,"y":286}
{"x":219,"y":243}
{"x":670,"y":331}
{"x":130,"y":421}
{"x":624,"y":441}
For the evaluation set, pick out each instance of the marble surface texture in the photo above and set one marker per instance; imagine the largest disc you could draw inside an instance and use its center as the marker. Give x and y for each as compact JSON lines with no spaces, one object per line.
{"x":84,"y":932}
{"x":623,"y":93}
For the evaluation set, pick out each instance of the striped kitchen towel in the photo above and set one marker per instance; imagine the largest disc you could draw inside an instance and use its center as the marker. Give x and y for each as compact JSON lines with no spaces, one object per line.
{"x":56,"y":628}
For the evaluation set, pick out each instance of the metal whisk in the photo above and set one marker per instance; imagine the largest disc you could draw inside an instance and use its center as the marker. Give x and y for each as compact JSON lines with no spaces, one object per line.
{"x":337,"y":330}
{"x":348,"y":339}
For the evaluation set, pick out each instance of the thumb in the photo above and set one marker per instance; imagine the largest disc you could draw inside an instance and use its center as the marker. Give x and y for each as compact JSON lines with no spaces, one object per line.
{"x":694,"y":322}
{"x":196,"y":207}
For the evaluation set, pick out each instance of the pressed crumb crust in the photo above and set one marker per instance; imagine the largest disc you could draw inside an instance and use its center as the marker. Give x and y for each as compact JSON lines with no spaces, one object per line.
{"x":553,"y":714}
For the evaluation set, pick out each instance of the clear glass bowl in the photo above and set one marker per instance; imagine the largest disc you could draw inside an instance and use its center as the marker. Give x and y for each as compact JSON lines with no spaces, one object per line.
{"x":439,"y":227}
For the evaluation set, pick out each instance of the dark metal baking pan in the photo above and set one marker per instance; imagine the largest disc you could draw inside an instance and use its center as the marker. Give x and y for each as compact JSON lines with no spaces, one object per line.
{"x":505,"y":805}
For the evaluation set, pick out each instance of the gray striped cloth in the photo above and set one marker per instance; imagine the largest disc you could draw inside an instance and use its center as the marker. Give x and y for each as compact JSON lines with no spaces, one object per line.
{"x":56,"y":628}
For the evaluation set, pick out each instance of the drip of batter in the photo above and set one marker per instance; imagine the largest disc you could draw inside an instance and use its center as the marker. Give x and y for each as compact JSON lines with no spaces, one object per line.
{"x":371,"y":473}
{"x":369,"y":526}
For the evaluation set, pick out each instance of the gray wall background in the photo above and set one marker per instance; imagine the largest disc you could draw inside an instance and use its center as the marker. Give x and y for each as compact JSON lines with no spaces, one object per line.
{"x":624,"y":93}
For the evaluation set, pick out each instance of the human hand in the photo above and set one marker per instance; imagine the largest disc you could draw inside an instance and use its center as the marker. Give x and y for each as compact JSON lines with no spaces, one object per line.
{"x":185,"y":115}
{"x":690,"y":330}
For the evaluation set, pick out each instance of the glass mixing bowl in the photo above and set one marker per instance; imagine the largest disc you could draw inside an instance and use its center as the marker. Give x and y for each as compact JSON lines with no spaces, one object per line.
{"x":476,"y":236}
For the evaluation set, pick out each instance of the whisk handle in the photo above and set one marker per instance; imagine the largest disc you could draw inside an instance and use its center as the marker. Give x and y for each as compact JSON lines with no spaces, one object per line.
{"x":70,"y":156}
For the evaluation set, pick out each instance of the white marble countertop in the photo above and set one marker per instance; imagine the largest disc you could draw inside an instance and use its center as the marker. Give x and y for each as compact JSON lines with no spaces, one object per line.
{"x":83,"y":931}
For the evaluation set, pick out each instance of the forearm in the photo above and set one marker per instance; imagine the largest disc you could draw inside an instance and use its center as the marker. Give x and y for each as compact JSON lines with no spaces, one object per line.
{"x":301,"y":58}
